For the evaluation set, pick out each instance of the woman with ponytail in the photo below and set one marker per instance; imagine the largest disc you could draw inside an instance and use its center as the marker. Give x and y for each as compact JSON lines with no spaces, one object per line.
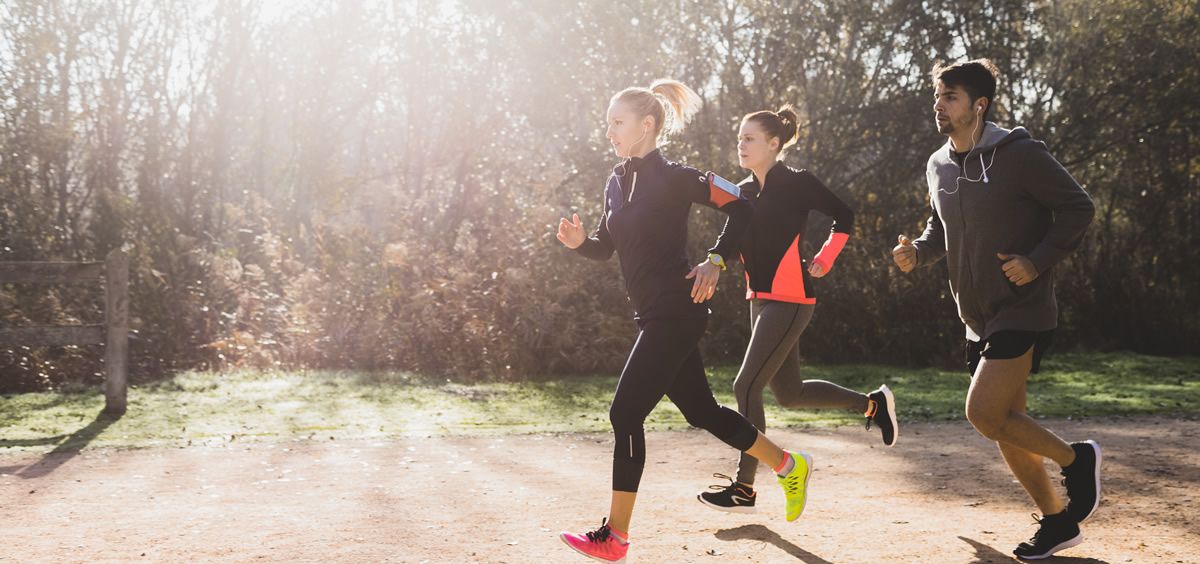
{"x":646,"y":205}
{"x":778,"y":285}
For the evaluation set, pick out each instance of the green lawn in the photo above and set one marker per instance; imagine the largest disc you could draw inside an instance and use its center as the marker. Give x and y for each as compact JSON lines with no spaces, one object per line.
{"x":200,"y":407}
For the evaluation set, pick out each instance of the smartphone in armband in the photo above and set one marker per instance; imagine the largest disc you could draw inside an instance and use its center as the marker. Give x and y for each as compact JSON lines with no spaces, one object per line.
{"x":721,"y":191}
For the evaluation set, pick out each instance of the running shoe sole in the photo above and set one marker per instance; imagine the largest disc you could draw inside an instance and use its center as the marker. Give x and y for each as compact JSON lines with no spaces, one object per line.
{"x":743,"y":509}
{"x":1056,"y":548}
{"x":891,"y":410}
{"x":564,"y":539}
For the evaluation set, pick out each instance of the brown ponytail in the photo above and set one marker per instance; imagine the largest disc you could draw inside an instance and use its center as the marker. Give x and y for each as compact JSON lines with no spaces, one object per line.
{"x":663,"y":95}
{"x":783,"y":124}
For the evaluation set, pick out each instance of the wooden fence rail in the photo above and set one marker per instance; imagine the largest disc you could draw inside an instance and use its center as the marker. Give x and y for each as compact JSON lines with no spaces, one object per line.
{"x":113,"y":334}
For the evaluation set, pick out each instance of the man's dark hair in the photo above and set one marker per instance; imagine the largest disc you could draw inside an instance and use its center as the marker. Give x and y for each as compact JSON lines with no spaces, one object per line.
{"x":977,"y":77}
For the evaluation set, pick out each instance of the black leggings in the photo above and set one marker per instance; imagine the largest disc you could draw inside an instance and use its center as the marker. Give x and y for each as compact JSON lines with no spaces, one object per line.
{"x":665,"y":360}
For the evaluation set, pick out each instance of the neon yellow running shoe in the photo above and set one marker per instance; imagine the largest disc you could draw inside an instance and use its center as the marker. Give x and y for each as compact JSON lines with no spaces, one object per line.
{"x":795,"y":484}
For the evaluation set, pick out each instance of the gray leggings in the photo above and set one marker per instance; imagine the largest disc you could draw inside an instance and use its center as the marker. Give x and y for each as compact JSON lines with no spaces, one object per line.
{"x":773,"y":358}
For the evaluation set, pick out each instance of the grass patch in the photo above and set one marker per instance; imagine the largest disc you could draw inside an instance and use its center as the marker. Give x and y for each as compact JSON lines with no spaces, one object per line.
{"x":215,"y":408}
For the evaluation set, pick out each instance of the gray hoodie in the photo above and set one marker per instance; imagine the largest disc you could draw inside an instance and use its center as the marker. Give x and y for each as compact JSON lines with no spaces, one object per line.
{"x":1010,"y":196}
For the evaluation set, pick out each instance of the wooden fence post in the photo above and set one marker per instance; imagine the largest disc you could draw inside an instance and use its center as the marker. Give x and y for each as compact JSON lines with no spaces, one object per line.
{"x":116,"y":312}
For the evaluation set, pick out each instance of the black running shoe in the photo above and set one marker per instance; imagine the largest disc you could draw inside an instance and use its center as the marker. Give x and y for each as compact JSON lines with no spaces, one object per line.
{"x":881,"y":409}
{"x":1082,"y":480}
{"x":734,"y":498}
{"x":1055,"y":533}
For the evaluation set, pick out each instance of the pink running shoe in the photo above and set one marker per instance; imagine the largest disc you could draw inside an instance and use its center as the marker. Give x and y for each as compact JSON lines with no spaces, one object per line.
{"x":599,"y":544}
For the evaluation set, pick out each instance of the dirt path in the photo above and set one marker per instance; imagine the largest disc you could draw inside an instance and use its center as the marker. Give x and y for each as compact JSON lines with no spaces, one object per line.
{"x":941,"y":496}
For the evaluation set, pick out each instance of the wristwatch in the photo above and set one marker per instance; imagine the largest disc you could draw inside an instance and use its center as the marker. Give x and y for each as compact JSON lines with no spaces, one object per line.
{"x":717,"y":260}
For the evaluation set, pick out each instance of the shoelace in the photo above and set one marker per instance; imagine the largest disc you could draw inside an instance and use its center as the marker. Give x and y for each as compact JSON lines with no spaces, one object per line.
{"x":1066,"y":478}
{"x":1034,"y":539}
{"x":872,"y":409}
{"x":791,"y":484}
{"x":601,"y":534}
{"x":719,"y":487}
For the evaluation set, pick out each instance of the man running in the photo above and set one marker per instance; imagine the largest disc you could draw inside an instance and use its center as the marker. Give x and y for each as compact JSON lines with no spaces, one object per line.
{"x":1004,"y":213}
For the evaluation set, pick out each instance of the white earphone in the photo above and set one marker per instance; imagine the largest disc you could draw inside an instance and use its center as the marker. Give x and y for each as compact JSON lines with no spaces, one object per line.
{"x":639,"y":140}
{"x":983,"y":175}
{"x":978,"y":111}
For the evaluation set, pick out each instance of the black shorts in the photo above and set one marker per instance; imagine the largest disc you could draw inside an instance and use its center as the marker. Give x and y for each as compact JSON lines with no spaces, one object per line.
{"x":1009,"y":344}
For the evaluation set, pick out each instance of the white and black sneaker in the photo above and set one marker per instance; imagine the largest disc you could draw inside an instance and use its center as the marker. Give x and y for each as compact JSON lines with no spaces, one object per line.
{"x":1082,"y":480}
{"x":733,"y":498}
{"x":881,"y":410}
{"x":1055,"y":533}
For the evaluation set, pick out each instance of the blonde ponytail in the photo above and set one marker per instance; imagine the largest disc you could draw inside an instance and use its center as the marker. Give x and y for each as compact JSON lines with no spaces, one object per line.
{"x":683,"y":101}
{"x":670,"y":102}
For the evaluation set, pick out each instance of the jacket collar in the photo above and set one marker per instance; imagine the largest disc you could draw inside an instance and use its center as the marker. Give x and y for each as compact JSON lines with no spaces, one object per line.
{"x":775,"y":170}
{"x":635,"y":164}
{"x":993,"y":136}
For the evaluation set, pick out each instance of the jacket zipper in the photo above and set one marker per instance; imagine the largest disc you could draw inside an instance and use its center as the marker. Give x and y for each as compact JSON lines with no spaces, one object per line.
{"x":962,"y":218}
